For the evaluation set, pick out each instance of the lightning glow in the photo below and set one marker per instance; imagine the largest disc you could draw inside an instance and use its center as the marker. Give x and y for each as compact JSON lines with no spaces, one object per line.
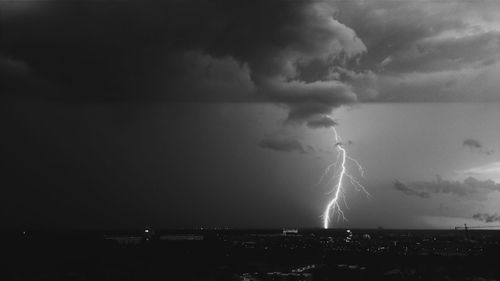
{"x":333,"y":206}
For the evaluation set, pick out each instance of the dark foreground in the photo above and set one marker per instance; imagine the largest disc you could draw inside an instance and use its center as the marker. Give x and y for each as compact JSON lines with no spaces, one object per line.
{"x":251,"y":255}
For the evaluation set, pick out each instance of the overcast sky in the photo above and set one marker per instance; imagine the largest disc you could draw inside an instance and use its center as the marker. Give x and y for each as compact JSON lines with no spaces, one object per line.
{"x":219,"y":113}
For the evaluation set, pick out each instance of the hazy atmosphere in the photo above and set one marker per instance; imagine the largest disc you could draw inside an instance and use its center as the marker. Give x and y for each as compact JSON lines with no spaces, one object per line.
{"x":120,"y":114}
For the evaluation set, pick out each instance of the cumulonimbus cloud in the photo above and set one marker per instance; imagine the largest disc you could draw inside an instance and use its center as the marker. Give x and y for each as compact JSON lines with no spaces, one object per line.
{"x":267,"y":42}
{"x":188,"y":51}
{"x":311,"y":56}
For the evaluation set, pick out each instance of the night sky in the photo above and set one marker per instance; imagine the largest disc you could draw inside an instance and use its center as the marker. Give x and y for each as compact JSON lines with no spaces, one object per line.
{"x":198,"y":113}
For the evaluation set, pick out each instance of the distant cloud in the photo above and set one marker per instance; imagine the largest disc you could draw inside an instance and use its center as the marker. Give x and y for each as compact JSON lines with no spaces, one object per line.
{"x":284,"y":145}
{"x":486,"y":217}
{"x":409,"y":191}
{"x":475,"y":145}
{"x":323,"y":122}
{"x":470,"y":187}
{"x":472,"y":143}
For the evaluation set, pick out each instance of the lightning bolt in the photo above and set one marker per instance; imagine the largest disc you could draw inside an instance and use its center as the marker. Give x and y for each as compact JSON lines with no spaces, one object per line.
{"x":341,"y":174}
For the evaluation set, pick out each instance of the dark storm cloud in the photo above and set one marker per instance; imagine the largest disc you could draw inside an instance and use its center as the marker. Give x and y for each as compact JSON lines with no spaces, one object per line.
{"x":115,"y":50}
{"x":409,"y":191}
{"x":283,"y":144}
{"x":323,"y":122}
{"x":486,"y":217}
{"x":469,"y":188}
{"x":389,"y":27}
{"x":435,"y":54}
{"x":472,"y":143}
{"x":183,"y":51}
{"x":311,"y":56}
{"x":420,"y":52}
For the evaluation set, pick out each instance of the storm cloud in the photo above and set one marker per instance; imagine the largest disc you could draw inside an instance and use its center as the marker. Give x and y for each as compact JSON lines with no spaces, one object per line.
{"x":420,"y":52}
{"x":183,"y":51}
{"x":472,"y":143}
{"x":486,"y":217}
{"x":469,"y":188}
{"x":323,"y":122}
{"x":475,"y":145}
{"x":283,"y":145}
{"x":409,"y":191}
{"x":310,"y":56}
